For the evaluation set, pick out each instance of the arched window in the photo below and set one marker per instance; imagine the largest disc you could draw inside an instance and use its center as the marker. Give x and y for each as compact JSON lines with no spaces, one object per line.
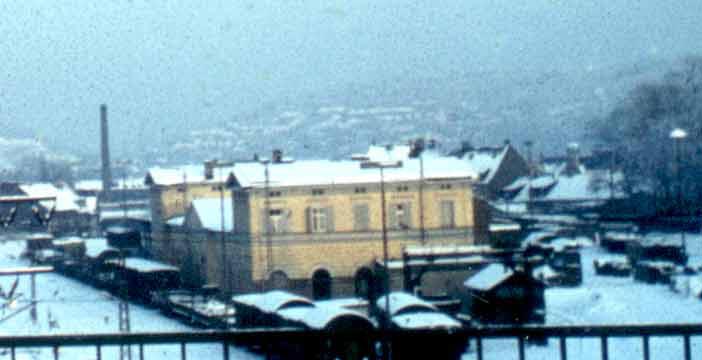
{"x":363,"y":282}
{"x":321,"y":284}
{"x":278,"y":280}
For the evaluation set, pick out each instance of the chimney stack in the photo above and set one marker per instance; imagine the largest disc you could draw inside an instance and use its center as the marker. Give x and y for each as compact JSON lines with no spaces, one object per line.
{"x":209,"y":169}
{"x":105,"y":150}
{"x":573,"y":159}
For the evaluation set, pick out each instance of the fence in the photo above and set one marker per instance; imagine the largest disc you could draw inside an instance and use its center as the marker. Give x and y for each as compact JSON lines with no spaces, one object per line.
{"x":267,"y":342}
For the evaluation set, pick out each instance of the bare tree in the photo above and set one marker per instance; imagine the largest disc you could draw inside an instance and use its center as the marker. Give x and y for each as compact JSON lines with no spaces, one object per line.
{"x":638,"y":130}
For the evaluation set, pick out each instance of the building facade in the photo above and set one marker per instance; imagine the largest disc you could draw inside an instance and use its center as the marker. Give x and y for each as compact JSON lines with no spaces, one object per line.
{"x":171,"y":193}
{"x":315,"y":227}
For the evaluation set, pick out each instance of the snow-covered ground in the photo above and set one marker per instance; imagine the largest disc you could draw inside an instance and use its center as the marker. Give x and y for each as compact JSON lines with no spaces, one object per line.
{"x":66,"y":306}
{"x":612,"y":300}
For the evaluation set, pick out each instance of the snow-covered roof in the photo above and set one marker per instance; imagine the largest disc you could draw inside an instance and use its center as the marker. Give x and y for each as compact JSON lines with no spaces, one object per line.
{"x":176,"y":221}
{"x":622,"y":236}
{"x":541,"y":182}
{"x":66,"y":198}
{"x":505,"y":227}
{"x":202,"y":305}
{"x":545,"y":272}
{"x":485,"y":161}
{"x":88,"y":185}
{"x":539,"y":236}
{"x":144,"y":265}
{"x":89,"y":205}
{"x":68,"y":241}
{"x":422,"y":250}
{"x":95,"y":185}
{"x":191,"y":174}
{"x":328,"y":172}
{"x":400,"y":301}
{"x":272,"y":301}
{"x":578,"y":186}
{"x":585,"y":185}
{"x":94,"y":247}
{"x":318,"y":317}
{"x":388,"y":152}
{"x":458,"y":260}
{"x":426,"y":320}
{"x":139,"y":214}
{"x":489,"y":277}
{"x":210,"y":213}
{"x":351,"y":302}
{"x":39,"y":237}
{"x":661,"y":239}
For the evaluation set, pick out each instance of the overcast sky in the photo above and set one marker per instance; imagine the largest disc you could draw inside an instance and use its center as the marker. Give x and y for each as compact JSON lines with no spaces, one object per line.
{"x":165,"y":63}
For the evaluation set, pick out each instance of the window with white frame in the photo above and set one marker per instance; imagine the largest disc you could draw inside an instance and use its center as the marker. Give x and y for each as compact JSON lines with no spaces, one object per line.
{"x":318,"y":220}
{"x":278,"y":220}
{"x":400,"y":217}
{"x":448,"y":214}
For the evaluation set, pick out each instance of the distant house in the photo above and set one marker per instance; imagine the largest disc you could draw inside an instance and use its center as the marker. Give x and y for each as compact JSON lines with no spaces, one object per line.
{"x":71,"y":214}
{"x":497,"y":167}
{"x":569,"y":186}
{"x":198,"y":240}
{"x":171,"y":193}
{"x":18,"y":215}
{"x":498,"y":294}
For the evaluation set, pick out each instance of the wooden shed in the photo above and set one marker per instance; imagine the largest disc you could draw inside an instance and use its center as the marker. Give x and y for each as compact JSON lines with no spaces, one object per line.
{"x":498,"y":294}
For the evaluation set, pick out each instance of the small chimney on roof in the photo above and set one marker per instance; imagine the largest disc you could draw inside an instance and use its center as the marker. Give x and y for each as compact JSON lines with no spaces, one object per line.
{"x":277,"y":156}
{"x":209,"y":169}
{"x":416,"y":147}
{"x":431,"y":144}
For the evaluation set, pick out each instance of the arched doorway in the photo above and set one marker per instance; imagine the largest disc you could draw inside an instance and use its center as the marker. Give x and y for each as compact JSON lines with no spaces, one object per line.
{"x":363,"y":282}
{"x":278,"y":280}
{"x":321,"y":284}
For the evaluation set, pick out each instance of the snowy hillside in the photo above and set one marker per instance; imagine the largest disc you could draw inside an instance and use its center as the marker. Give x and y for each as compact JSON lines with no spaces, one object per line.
{"x":484,"y":108}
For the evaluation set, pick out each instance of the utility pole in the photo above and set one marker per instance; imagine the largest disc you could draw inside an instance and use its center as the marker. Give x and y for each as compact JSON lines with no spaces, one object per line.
{"x":267,"y":206}
{"x":530,"y":166}
{"x":125,"y":351}
{"x":422,"y":234}
{"x":386,"y":278}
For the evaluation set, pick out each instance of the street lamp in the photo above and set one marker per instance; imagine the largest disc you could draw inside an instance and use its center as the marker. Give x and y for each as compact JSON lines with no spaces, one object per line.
{"x":678,"y":135}
{"x":382,"y":165}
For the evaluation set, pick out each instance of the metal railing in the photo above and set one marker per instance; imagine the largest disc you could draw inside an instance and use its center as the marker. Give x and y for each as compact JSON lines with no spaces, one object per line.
{"x":268,"y":342}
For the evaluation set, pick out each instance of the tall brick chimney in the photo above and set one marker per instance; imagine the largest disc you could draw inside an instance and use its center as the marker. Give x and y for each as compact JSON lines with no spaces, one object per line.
{"x":105,"y":150}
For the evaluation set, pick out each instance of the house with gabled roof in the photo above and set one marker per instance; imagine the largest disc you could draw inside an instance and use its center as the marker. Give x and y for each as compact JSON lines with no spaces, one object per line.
{"x":171,"y":193}
{"x":497,"y":166}
{"x":569,"y":186}
{"x":499,"y":294}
